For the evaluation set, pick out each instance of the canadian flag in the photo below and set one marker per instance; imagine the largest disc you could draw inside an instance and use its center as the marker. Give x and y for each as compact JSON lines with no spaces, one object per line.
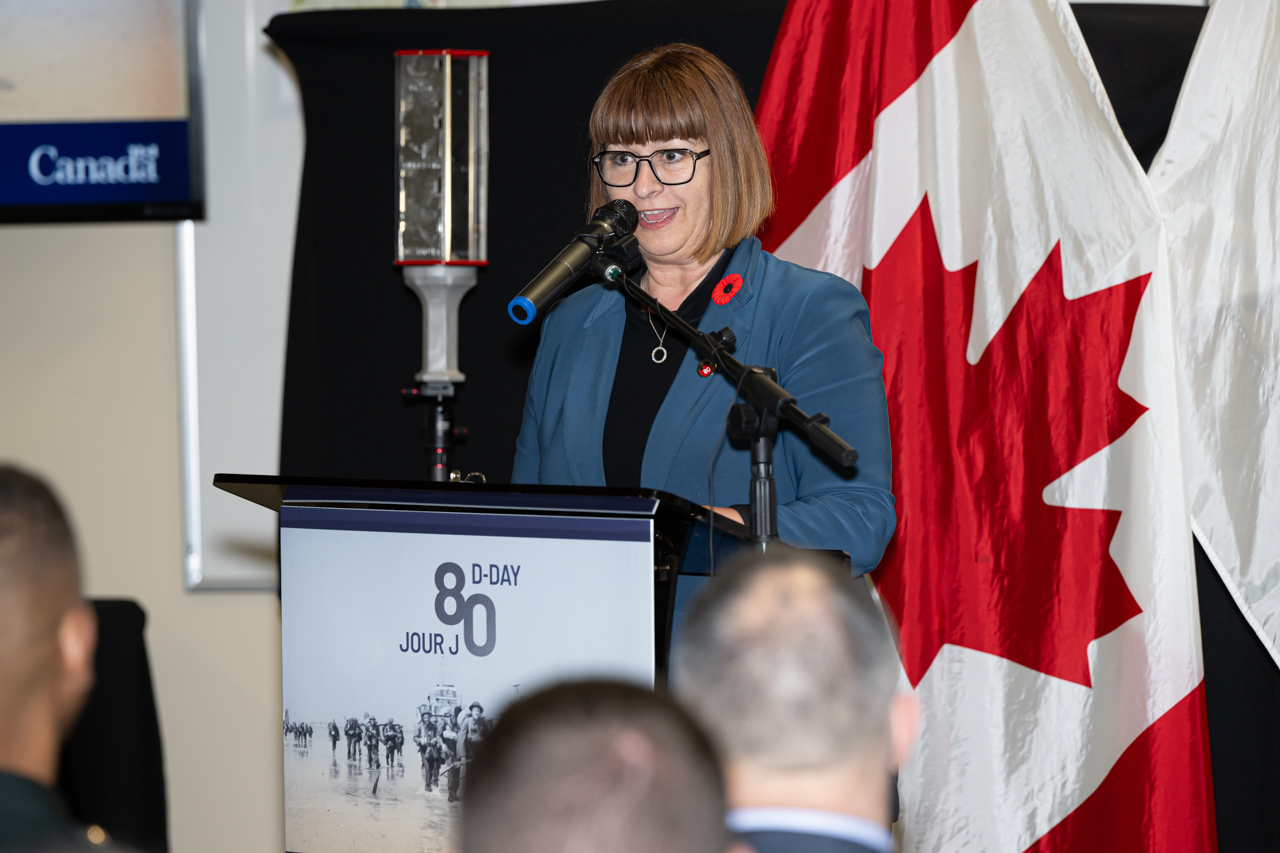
{"x":960,"y":163}
{"x":1217,"y":180}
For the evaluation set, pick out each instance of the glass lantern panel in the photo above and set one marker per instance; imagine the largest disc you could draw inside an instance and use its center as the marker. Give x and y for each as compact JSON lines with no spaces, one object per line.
{"x":443,"y":150}
{"x":422,"y":154}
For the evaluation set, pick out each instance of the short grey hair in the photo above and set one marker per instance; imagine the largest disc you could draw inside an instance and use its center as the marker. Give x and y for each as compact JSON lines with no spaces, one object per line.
{"x":593,"y":766}
{"x":787,"y":661}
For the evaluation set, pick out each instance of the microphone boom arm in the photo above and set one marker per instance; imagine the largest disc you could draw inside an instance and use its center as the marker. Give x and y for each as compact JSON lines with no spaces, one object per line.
{"x":758,"y":386}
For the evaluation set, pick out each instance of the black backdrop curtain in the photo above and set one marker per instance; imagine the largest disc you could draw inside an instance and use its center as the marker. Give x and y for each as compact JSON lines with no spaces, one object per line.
{"x":355,"y":329}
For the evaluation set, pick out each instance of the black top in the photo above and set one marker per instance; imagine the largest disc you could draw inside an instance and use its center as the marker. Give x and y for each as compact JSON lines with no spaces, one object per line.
{"x":32,"y":818}
{"x":640,"y":386}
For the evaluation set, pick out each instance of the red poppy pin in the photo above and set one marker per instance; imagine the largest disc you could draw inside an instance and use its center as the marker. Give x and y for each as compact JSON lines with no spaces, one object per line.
{"x":726,"y":289}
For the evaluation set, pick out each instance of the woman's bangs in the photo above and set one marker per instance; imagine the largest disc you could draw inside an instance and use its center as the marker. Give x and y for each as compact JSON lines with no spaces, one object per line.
{"x":645,"y":111}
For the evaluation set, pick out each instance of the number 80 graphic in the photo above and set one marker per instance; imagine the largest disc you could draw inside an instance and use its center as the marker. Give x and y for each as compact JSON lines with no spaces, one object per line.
{"x":464,"y":609}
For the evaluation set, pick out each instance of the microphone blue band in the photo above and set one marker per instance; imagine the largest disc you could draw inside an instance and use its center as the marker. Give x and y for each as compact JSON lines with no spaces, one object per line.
{"x":530,"y":311}
{"x":614,"y":222}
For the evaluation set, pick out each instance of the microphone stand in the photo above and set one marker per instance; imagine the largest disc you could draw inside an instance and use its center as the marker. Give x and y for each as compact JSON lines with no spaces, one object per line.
{"x":767,"y":403}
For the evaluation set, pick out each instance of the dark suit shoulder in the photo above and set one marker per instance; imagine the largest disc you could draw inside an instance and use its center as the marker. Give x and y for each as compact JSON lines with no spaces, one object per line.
{"x":32,"y":818}
{"x":800,"y":842}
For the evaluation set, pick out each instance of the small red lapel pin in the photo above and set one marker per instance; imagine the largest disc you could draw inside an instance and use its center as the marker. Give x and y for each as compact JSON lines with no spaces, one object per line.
{"x":726,"y":289}
{"x":706,"y":368}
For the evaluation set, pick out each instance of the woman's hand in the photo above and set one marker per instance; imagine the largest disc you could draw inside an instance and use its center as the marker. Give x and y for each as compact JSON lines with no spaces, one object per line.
{"x":729,"y":513}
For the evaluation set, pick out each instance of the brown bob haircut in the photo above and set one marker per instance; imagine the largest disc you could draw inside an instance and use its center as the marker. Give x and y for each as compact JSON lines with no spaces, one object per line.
{"x":683,"y":92}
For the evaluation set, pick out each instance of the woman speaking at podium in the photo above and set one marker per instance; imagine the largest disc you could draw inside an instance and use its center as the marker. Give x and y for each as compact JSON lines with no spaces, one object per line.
{"x":616,"y":398}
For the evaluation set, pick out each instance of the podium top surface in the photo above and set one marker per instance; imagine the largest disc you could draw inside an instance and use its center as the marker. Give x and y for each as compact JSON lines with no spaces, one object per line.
{"x":274,"y":492}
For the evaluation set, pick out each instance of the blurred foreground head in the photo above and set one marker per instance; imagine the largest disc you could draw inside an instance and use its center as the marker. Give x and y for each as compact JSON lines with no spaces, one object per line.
{"x":791,"y":666}
{"x":594,"y":767}
{"x":47,"y":633}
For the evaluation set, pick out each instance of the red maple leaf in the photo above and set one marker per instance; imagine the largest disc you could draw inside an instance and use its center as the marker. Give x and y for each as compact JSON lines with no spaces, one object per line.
{"x":979,"y":559}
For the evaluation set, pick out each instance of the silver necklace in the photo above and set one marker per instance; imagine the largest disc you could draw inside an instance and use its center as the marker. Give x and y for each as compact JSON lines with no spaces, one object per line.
{"x":659,"y":353}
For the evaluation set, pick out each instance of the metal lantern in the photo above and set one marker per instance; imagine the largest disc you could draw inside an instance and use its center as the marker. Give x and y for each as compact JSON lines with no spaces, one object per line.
{"x":442,"y":146}
{"x":442,"y":128}
{"x":442,"y":171}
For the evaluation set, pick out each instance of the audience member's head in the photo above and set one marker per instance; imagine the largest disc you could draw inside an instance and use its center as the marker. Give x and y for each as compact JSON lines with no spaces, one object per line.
{"x":791,"y":666}
{"x":47,"y":633}
{"x":594,"y":767}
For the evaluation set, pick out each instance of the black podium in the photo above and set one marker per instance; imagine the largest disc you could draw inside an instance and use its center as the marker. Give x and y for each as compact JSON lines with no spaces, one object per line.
{"x":679,"y":538}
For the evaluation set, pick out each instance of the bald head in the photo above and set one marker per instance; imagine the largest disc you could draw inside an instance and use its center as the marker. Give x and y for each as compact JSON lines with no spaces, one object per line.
{"x":788,"y":662}
{"x":590,"y":767}
{"x":47,"y":634}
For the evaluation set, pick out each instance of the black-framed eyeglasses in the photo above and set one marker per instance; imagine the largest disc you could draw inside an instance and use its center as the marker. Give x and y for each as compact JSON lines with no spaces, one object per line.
{"x":671,"y":166}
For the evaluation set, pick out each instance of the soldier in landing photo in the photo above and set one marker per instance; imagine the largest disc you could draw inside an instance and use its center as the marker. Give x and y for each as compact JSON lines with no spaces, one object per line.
{"x":354,"y":734}
{"x":393,"y":738}
{"x":451,"y":759}
{"x":372,"y":734}
{"x":471,"y":730}
{"x":435,"y":758}
{"x":427,"y":739}
{"x":334,"y":734}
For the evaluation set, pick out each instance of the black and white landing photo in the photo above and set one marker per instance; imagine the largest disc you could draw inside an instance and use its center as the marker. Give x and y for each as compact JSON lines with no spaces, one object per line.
{"x":355,"y":781}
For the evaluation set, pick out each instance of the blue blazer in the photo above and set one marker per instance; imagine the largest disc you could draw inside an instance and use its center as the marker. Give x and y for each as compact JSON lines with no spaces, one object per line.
{"x":812,"y":327}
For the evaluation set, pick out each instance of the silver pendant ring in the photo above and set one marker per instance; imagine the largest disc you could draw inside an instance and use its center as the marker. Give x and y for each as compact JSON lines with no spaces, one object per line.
{"x":659,"y":354}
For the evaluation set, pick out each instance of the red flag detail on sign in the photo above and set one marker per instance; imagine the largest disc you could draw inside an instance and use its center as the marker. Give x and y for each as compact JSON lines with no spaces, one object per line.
{"x":979,"y":559}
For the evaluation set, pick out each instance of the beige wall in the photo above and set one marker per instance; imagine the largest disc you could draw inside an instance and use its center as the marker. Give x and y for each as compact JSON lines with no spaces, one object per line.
{"x":89,"y":397}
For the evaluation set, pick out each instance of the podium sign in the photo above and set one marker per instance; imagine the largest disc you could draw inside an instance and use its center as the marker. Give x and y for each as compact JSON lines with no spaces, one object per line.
{"x":385,"y":611}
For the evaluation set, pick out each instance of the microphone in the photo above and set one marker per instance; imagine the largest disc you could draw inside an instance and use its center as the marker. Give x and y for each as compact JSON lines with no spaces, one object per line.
{"x":616,"y":219}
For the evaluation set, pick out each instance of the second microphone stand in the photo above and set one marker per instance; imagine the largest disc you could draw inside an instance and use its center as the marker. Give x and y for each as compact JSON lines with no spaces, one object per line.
{"x":767,"y":403}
